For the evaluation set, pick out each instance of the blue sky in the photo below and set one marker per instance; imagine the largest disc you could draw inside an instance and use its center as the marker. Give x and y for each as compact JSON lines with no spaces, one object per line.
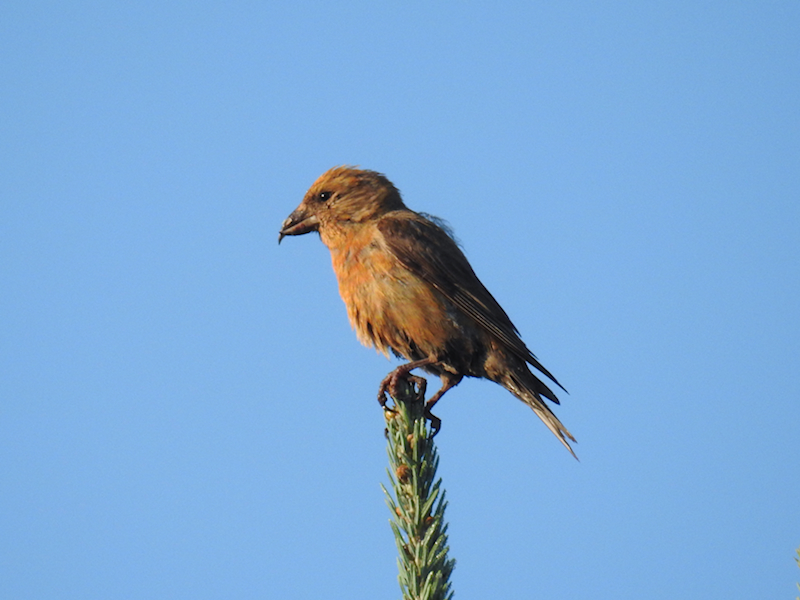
{"x":184,"y":410}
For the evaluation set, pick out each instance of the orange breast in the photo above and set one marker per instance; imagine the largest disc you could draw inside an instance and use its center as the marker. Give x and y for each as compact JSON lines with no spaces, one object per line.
{"x":388,"y":306}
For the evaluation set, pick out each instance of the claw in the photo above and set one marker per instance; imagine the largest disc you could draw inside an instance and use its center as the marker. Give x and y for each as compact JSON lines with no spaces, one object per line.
{"x":389,"y":387}
{"x":436,"y":422}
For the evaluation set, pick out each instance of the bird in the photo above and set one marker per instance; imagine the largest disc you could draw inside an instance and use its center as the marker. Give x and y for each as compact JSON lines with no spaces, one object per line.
{"x":410,"y":290}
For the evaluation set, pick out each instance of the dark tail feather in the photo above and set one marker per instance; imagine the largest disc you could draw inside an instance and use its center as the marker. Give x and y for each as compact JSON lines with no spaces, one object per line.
{"x":531,"y":359}
{"x":530,"y":390}
{"x":540,"y":388}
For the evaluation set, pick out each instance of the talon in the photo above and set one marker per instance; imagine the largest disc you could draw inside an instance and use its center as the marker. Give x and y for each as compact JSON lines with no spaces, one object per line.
{"x":382,"y":391}
{"x":436,"y":422}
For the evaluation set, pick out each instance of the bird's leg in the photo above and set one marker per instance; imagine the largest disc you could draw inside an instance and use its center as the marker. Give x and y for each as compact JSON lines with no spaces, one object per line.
{"x":448,"y":381}
{"x":389,"y":383}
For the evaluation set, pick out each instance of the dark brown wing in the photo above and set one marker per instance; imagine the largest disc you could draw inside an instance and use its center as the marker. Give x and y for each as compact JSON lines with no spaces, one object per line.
{"x":431,"y":254}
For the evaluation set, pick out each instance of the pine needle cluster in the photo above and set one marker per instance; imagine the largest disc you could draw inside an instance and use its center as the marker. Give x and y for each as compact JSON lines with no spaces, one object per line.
{"x":417,"y":502}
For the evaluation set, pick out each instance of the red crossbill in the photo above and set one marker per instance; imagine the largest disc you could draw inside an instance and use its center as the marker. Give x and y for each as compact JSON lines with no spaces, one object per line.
{"x":410,"y":290}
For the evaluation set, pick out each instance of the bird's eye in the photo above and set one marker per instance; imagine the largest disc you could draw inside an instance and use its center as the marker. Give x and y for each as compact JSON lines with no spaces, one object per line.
{"x":324,"y":196}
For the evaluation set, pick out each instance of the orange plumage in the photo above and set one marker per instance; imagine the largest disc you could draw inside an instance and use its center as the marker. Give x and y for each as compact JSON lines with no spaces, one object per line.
{"x":410,"y":290}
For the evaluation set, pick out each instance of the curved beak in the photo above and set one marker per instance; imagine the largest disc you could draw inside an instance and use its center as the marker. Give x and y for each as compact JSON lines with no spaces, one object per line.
{"x":298,"y":223}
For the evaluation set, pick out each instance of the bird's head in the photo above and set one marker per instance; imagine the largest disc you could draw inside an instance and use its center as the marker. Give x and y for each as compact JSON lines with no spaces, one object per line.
{"x":341,"y":196}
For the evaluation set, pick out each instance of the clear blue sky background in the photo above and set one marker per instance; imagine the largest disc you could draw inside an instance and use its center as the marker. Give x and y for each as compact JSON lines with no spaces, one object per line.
{"x":184,"y":410}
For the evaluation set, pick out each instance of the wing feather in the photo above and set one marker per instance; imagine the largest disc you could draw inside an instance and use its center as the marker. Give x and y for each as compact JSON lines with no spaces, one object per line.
{"x":426,"y":250}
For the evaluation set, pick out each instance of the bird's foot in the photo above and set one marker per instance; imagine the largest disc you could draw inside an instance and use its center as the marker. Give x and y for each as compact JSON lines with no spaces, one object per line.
{"x":392,"y":386}
{"x":436,"y":422}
